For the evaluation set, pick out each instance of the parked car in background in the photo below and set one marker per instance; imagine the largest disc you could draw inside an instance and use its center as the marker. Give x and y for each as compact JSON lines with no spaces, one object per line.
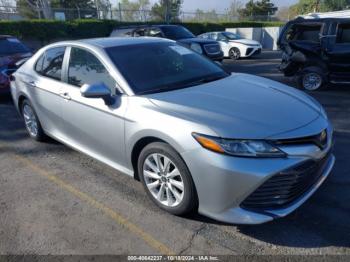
{"x":12,"y":51}
{"x":233,"y":45}
{"x":316,"y":51}
{"x":183,"y":36}
{"x":197,"y":137}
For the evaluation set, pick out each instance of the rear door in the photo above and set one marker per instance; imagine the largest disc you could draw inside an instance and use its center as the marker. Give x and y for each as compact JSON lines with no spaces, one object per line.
{"x":45,"y":86}
{"x":338,"y":51}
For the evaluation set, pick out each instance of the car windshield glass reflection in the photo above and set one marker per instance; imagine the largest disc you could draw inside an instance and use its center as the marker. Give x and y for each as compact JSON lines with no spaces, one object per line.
{"x":176,"y":32}
{"x":160,"y":67}
{"x":232,"y":36}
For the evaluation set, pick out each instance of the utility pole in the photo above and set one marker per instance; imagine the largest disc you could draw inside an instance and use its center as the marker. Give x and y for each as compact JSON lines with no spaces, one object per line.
{"x":97,"y":9}
{"x":78,"y":9}
{"x":167,"y":11}
{"x":120,"y":12}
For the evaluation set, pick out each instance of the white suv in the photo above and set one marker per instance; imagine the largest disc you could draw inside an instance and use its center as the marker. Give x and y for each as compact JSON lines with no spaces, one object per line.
{"x":233,"y":45}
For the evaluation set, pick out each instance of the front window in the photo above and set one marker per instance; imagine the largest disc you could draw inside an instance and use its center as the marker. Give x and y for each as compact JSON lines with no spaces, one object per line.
{"x":304,"y":32}
{"x":176,"y":32}
{"x":231,"y":36}
{"x":160,"y":67}
{"x":11,"y":46}
{"x":343,"y":34}
{"x":85,"y":68}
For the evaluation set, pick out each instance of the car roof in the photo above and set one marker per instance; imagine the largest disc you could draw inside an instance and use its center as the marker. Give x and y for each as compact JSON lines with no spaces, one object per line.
{"x":107,"y":42}
{"x":317,"y":20}
{"x":145,"y":25}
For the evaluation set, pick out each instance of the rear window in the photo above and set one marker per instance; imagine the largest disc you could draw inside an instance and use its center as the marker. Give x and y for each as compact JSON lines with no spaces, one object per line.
{"x":304,"y":32}
{"x":343,"y":34}
{"x":11,"y":46}
{"x":50,"y":63}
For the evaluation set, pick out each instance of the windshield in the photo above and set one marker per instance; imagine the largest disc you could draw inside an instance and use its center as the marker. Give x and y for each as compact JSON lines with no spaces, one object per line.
{"x":176,"y":32}
{"x":161,"y":67}
{"x":11,"y":46}
{"x":232,"y":36}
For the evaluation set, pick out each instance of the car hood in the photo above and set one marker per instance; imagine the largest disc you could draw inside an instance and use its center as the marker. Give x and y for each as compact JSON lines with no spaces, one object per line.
{"x":245,"y":42}
{"x":197,"y":40}
{"x":241,"y":106}
{"x":10,"y":60}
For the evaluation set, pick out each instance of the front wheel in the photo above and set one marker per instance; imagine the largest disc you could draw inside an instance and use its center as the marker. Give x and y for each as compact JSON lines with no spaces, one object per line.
{"x":311,"y":79}
{"x":234,"y":53}
{"x":166,"y":179}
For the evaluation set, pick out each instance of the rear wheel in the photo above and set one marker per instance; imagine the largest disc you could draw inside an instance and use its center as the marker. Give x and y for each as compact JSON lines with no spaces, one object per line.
{"x":311,"y":79}
{"x":31,"y":121}
{"x":234,"y":53}
{"x":166,"y":179}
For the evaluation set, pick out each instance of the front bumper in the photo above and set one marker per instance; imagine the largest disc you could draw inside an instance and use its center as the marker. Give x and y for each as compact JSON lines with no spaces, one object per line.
{"x":224,"y":182}
{"x":215,"y":57}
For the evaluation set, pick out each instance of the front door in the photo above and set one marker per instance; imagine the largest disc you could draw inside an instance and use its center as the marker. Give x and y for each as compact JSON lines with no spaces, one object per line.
{"x":89,"y":124}
{"x":338,"y":52}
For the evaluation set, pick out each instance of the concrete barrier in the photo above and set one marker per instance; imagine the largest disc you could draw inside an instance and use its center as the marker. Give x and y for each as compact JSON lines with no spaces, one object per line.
{"x":267,"y":36}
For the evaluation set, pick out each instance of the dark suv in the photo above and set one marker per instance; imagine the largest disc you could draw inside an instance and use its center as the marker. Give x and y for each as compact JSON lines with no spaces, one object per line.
{"x":209,"y":48}
{"x":12,"y":51}
{"x":316,"y":51}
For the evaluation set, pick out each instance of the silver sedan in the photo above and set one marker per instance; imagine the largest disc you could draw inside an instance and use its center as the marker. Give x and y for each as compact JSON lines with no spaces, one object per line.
{"x":234,"y":147}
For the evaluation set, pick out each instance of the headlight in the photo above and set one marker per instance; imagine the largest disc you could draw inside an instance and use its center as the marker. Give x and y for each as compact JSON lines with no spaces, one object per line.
{"x":196,"y":47}
{"x":238,"y":147}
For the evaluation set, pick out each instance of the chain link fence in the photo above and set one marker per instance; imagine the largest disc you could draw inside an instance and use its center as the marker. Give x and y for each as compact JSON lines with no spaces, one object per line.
{"x":123,"y":15}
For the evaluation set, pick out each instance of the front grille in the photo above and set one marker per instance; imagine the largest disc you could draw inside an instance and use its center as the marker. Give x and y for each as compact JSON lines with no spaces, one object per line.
{"x":212,"y":48}
{"x":321,"y":140}
{"x":285,"y":187}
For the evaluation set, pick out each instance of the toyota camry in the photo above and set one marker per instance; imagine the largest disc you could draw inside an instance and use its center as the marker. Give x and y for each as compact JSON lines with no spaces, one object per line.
{"x":235,"y":147}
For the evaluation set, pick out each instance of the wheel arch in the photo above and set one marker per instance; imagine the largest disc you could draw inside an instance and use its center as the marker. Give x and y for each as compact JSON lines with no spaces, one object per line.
{"x":142,"y":141}
{"x":20,"y":101}
{"x":136,"y":150}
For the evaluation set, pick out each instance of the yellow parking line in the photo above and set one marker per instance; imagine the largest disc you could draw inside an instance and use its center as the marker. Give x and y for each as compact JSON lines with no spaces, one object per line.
{"x":151,"y":241}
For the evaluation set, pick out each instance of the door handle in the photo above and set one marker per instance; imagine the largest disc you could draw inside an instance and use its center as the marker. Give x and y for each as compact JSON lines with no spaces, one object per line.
{"x":32,"y":84}
{"x":65,"y":96}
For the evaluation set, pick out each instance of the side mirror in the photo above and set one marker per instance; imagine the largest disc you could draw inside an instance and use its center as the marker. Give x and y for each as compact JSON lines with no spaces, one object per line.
{"x":98,"y":90}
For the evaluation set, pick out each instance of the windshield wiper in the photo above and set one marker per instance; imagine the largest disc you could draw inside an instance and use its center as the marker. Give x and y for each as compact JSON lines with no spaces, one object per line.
{"x":181,"y":86}
{"x":205,"y":80}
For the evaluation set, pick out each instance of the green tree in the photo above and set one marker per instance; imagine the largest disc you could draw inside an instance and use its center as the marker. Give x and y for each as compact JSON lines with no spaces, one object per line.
{"x":134,"y":10}
{"x":202,"y":16}
{"x":34,"y":8}
{"x":258,"y":10}
{"x":310,"y":6}
{"x":233,"y":11}
{"x":167,"y":10}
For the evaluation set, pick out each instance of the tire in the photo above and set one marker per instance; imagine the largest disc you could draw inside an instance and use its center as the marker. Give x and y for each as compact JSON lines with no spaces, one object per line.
{"x":311,"y":78}
{"x":234,"y":53}
{"x":31,"y":121}
{"x":171,"y":185}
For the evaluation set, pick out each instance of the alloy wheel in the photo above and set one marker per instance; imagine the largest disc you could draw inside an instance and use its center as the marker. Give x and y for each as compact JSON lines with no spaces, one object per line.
{"x":30,"y":120}
{"x":235,"y":54}
{"x":163,"y":179}
{"x":312,"y":81}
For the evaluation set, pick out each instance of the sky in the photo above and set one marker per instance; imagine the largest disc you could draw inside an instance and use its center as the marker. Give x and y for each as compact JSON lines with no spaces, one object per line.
{"x":218,"y":5}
